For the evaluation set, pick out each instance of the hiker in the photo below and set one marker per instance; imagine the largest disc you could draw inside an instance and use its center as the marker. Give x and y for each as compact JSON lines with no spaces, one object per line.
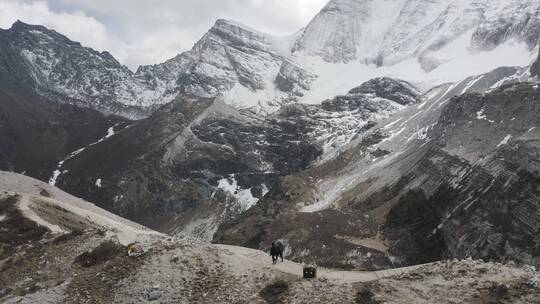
{"x":276,"y":251}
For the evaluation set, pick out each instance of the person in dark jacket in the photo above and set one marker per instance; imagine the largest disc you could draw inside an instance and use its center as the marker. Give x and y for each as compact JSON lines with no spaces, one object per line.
{"x":276,"y":251}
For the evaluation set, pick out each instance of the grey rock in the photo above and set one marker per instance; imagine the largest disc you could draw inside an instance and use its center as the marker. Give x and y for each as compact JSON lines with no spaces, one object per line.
{"x":535,"y":68}
{"x":154,"y":295}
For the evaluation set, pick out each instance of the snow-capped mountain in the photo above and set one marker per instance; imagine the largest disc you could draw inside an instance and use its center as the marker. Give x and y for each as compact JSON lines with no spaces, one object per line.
{"x":389,"y":31}
{"x":64,"y":70}
{"x":248,"y":67}
{"x":349,"y":42}
{"x":425,"y":42}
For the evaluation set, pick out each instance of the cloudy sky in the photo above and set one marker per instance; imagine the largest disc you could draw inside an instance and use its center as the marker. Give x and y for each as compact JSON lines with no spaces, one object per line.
{"x":150,"y":31}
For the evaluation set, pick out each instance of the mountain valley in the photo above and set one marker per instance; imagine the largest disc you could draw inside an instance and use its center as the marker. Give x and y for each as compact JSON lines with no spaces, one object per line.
{"x":393,"y":143}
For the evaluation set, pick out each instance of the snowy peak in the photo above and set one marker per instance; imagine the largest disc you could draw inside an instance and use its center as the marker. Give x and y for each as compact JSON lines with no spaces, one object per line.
{"x":425,"y":42}
{"x":344,"y":30}
{"x":234,"y":32}
{"x":250,"y":68}
{"x":38,"y":31}
{"x":390,"y":31}
{"x":63,"y":69}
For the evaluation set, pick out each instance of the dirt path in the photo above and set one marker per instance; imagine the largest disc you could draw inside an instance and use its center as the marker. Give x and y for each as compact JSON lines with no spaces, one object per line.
{"x":28,"y":212}
{"x":251,"y":257}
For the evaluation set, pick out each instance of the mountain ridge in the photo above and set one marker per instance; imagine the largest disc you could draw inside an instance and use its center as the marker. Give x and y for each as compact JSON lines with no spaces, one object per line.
{"x":420,"y":42}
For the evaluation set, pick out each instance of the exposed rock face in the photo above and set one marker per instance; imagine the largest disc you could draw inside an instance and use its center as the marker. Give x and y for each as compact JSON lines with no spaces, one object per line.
{"x":376,"y":96}
{"x":234,"y":60}
{"x":193,"y":162}
{"x":535,"y":68}
{"x":460,"y":185}
{"x":518,"y":19}
{"x":198,"y":161}
{"x":294,"y":80}
{"x":36,"y":133}
{"x":336,"y":33}
{"x":398,"y":91}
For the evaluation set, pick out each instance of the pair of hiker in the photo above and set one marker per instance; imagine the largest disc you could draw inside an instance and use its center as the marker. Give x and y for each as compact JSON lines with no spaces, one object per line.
{"x":276,"y":251}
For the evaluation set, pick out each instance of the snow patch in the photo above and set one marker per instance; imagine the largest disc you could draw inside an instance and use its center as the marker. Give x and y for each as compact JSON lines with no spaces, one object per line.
{"x":481,"y":116}
{"x":505,"y":140}
{"x":2,"y":217}
{"x":98,"y":183}
{"x":472,"y":83}
{"x":244,"y":197}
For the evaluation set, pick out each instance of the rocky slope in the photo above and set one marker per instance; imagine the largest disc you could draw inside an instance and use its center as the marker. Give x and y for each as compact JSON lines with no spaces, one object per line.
{"x":440,"y":179}
{"x":198,"y":161}
{"x":36,"y":133}
{"x":63,"y":70}
{"x":56,"y":248}
{"x":535,"y":68}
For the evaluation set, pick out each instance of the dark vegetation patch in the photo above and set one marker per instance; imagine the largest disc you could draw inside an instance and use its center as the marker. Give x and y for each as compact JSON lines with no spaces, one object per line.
{"x":380,"y":153}
{"x":365,"y":296}
{"x":499,"y":293}
{"x":274,"y":293}
{"x":98,"y":273}
{"x":15,"y":229}
{"x":412,"y":224}
{"x":44,"y":193}
{"x":18,"y":267}
{"x":101,"y":254}
{"x":66,"y":237}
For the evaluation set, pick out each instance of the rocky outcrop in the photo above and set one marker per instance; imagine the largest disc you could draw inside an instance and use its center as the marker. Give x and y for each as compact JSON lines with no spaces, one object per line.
{"x":63,"y":70}
{"x":535,"y":68}
{"x":377,"y":95}
{"x":395,"y":90}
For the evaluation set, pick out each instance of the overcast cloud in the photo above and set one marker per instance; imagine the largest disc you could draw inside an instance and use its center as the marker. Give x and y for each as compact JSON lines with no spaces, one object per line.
{"x":140,"y":32}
